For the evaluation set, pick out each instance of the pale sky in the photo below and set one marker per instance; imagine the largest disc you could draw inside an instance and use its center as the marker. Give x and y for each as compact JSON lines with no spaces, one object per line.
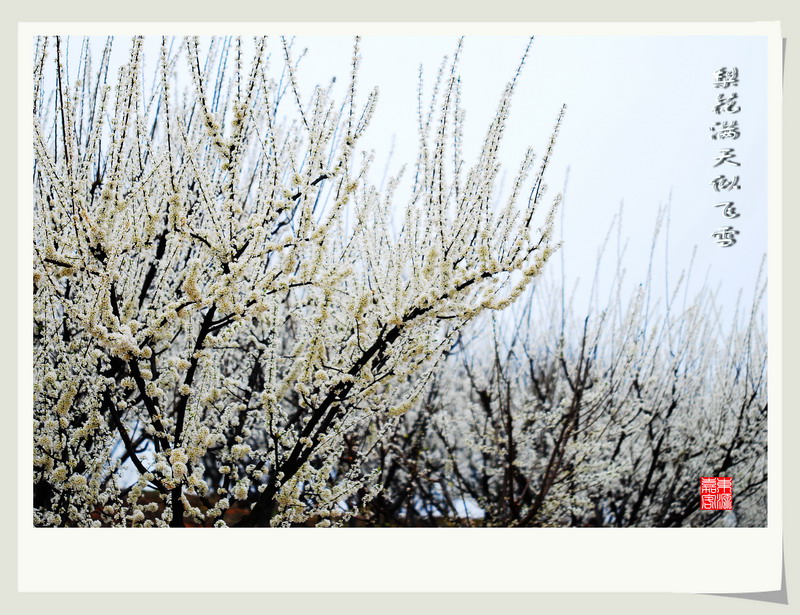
{"x":637,"y":130}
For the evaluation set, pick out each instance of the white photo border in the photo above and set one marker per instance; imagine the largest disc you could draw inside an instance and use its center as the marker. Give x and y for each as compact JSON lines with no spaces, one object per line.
{"x":718,"y":560}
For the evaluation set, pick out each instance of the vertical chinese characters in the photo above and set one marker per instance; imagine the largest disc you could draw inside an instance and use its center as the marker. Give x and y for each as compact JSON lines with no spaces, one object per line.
{"x":725,"y":130}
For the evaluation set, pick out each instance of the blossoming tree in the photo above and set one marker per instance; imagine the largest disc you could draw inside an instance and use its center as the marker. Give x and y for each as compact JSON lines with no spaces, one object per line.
{"x":227,"y":312}
{"x":609,"y":421}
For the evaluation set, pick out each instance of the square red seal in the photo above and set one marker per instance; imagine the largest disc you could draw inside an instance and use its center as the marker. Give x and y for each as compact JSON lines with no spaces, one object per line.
{"x":716,"y":493}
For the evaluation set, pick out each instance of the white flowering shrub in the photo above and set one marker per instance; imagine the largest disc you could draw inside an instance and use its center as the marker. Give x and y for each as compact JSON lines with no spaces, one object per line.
{"x":229,"y":317}
{"x":609,"y":419}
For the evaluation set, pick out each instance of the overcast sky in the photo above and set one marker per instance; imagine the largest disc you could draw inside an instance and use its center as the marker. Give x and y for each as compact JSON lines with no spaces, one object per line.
{"x":636,"y":132}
